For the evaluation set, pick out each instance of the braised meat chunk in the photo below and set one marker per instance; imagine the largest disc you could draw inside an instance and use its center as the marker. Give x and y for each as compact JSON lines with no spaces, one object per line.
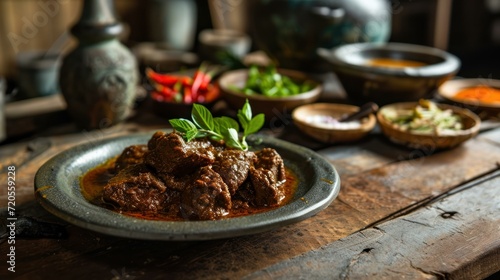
{"x":207,"y":198}
{"x":197,"y":180}
{"x":267,"y":176}
{"x":269,"y":159}
{"x":233,"y":167}
{"x":178,"y":183}
{"x":169,"y":153}
{"x":130,"y":156}
{"x":136,"y":188}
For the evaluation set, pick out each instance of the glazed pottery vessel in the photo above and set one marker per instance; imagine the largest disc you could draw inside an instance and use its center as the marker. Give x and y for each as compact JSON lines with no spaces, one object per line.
{"x":364,"y":82}
{"x":290,"y":31}
{"x":98,"y":78}
{"x":173,"y":22}
{"x":37,"y":74}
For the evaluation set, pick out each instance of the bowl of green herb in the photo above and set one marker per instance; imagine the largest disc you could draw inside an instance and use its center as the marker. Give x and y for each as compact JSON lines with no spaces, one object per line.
{"x":272,"y":91}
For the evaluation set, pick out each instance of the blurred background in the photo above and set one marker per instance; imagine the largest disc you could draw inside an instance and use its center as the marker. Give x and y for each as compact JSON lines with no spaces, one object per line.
{"x":30,"y":28}
{"x":469,"y":29}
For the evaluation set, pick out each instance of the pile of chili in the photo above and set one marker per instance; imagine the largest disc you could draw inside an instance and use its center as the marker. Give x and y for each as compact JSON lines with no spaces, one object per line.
{"x":181,"y":88}
{"x":481,"y":93}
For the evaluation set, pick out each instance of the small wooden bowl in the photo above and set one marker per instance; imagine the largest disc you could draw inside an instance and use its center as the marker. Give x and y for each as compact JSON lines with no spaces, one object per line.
{"x":470,"y":121}
{"x":271,"y":107}
{"x":449,"y":89}
{"x":331,"y":135}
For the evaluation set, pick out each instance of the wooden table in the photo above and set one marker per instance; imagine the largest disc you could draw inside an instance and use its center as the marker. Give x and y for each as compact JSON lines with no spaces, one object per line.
{"x":401,"y":213}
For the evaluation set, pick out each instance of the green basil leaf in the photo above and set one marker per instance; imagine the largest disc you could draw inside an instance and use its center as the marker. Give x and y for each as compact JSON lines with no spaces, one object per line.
{"x":232,"y":139}
{"x":243,"y":121}
{"x":244,"y":145}
{"x":245,"y":115}
{"x":203,"y":124}
{"x":190,"y":135}
{"x":216,"y":137}
{"x":233,"y":144}
{"x":227,"y":123}
{"x":247,"y":110}
{"x":233,"y":134}
{"x":255,"y":124}
{"x":218,"y":128}
{"x":202,"y":117}
{"x":182,"y":125}
{"x":200,"y":134}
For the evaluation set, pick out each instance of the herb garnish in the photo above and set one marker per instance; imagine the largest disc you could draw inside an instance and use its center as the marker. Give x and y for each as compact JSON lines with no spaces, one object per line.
{"x":271,"y":83}
{"x":224,"y":128}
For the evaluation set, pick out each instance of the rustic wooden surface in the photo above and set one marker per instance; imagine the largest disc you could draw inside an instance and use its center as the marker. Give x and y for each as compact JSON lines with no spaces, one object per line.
{"x":442,"y":240}
{"x":400,"y":213}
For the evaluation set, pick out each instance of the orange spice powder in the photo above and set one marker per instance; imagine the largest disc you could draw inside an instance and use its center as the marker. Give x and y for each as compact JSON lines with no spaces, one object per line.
{"x":481,"y":93}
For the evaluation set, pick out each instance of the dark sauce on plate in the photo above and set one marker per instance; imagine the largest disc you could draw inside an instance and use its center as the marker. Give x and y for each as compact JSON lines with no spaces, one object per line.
{"x":93,"y":182}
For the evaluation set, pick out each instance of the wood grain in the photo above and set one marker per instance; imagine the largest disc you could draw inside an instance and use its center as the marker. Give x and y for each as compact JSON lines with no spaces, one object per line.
{"x":442,"y":240}
{"x":379,"y":182}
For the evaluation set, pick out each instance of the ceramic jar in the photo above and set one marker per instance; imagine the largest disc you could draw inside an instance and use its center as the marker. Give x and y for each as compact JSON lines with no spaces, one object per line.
{"x":214,"y":43}
{"x":173,"y":22}
{"x":98,"y":78}
{"x":290,"y":31}
{"x":37,"y":74}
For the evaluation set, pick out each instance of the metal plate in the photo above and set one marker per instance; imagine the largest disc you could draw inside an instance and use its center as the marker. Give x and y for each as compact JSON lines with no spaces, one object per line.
{"x":57,"y":189}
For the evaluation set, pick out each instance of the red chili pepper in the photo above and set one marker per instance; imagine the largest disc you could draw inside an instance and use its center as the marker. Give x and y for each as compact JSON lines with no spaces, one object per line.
{"x":202,"y":79}
{"x":197,"y":79}
{"x":165,"y":79}
{"x":188,"y":98}
{"x":166,"y":92}
{"x":211,"y":93}
{"x":187,"y":89}
{"x":207,"y":78}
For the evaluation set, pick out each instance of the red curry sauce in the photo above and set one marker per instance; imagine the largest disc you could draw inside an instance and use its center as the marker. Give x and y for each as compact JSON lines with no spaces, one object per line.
{"x":93,"y":182}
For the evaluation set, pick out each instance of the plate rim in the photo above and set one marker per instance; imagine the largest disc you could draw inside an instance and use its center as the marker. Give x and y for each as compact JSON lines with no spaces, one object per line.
{"x":47,"y":192}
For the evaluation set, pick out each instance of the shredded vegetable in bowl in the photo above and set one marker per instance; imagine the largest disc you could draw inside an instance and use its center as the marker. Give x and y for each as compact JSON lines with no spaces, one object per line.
{"x":425,"y":118}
